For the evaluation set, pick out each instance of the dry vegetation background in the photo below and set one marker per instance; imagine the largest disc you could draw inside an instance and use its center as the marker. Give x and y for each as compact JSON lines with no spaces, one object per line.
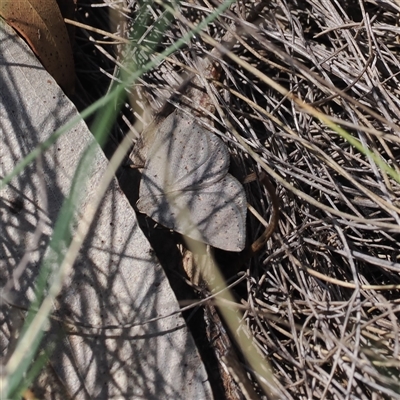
{"x":318,"y":297}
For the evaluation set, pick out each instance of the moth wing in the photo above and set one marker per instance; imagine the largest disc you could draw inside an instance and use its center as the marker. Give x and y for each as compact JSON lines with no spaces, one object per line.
{"x":215,"y":215}
{"x":185,"y":156}
{"x":140,"y":152}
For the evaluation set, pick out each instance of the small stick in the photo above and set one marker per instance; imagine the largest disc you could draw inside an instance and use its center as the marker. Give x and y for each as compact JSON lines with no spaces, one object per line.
{"x":263,"y":239}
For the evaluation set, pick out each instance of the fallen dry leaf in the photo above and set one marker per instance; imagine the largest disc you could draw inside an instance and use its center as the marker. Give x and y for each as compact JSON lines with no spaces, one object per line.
{"x":116,"y":278}
{"x":68,"y":9}
{"x":41,"y":24}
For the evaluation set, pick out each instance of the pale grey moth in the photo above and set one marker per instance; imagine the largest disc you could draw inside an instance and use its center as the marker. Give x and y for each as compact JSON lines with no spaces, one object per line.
{"x":185,"y":183}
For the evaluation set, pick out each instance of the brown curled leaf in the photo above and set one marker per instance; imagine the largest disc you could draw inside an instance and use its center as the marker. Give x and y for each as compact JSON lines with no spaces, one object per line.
{"x":68,"y":9}
{"x":42,"y":26}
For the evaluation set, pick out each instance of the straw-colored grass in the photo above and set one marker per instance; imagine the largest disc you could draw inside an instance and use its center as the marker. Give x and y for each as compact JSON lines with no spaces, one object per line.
{"x":322,"y":299}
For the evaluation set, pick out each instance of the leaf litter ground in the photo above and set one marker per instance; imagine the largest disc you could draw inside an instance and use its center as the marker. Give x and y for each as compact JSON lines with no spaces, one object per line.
{"x":312,"y":297}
